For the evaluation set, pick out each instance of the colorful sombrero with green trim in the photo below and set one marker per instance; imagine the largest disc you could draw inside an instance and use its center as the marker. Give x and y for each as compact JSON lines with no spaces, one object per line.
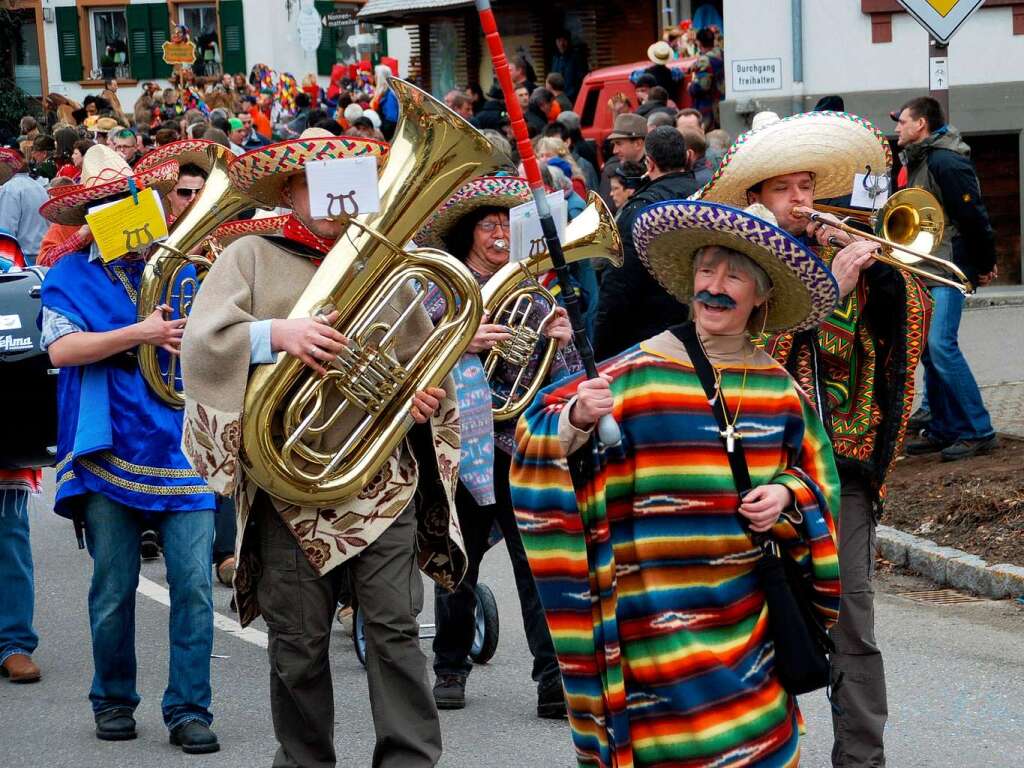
{"x":262,"y":173}
{"x":832,"y":145}
{"x":266,"y":225}
{"x":485,"y":192}
{"x":185,"y":152}
{"x":667,"y":235}
{"x":104,"y":173}
{"x":11,"y":161}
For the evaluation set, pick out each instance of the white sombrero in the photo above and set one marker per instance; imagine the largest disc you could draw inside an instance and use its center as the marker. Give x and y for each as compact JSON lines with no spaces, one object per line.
{"x":831,"y":145}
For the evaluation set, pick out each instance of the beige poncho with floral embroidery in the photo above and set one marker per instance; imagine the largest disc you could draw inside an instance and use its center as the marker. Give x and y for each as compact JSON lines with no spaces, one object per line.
{"x":255,"y":279}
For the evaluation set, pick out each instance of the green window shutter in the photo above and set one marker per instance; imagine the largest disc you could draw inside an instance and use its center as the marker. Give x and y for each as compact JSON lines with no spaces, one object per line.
{"x":232,"y":36}
{"x":326,"y":51}
{"x":68,"y":43}
{"x":140,"y":46}
{"x":159,"y":26}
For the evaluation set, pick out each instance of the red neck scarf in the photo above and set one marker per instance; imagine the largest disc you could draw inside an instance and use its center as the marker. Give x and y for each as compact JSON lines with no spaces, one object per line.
{"x":295,"y":230}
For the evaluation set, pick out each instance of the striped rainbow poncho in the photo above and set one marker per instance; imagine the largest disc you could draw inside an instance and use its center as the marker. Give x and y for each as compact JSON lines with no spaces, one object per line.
{"x":646,"y":574}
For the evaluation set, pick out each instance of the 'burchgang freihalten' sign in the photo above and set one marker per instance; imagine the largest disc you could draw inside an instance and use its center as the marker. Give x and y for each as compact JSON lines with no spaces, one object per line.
{"x":757,"y":75}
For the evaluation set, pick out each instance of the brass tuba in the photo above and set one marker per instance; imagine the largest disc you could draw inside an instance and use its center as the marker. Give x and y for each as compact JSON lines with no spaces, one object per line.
{"x":513,"y":291}
{"x":287,"y":406}
{"x":217,"y":203}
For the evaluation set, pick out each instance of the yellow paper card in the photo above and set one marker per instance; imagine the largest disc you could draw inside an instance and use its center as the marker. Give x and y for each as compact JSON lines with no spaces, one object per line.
{"x":126,"y":226}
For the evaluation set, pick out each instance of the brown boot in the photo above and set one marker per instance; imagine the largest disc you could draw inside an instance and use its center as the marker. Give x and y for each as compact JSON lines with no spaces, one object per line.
{"x":21,"y":669}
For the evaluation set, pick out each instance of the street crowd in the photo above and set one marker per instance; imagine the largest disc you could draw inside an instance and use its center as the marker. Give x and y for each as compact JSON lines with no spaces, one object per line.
{"x":644,"y":617}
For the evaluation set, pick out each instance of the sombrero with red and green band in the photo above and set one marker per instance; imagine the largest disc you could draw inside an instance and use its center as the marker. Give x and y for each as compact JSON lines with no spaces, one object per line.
{"x":11,"y":161}
{"x":266,"y":225}
{"x":186,"y":152}
{"x":486,"y":192}
{"x":262,"y":173}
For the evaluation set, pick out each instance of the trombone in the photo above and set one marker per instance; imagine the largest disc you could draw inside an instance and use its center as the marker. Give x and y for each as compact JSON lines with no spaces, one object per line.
{"x":908,"y":227}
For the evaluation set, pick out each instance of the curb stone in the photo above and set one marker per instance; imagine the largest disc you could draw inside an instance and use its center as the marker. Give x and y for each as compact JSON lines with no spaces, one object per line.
{"x":951,"y":567}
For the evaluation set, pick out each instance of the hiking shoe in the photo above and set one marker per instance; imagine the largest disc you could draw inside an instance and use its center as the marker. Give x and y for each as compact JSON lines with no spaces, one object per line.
{"x":194,"y":738}
{"x":551,"y":700}
{"x":115,"y":725}
{"x":928,"y":443}
{"x":149,"y":545}
{"x":450,"y":692}
{"x":919,"y":419}
{"x":964,"y":449}
{"x":226,"y":571}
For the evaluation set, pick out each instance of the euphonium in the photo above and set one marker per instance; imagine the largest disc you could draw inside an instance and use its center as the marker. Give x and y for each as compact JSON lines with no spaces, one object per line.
{"x":512,"y":292}
{"x":217,"y":203}
{"x":287,"y":413}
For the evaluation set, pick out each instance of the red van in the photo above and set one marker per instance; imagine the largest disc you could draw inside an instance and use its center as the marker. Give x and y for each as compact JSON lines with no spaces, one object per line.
{"x":601,"y":84}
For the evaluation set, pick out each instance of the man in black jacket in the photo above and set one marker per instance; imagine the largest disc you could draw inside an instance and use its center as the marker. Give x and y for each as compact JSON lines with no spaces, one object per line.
{"x":938,"y":160}
{"x":539,"y":110}
{"x":632,"y":306}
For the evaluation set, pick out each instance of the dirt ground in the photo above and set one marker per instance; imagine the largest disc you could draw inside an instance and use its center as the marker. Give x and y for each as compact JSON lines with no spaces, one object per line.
{"x":976,"y":504}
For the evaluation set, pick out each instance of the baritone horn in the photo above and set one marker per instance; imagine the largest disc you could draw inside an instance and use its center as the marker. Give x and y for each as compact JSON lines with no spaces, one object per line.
{"x":293,"y":416}
{"x":513,"y":292}
{"x":161,"y":280}
{"x":908,"y":227}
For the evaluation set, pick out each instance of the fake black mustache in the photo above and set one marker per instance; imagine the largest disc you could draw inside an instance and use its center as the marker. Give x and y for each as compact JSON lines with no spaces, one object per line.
{"x":715,"y":299}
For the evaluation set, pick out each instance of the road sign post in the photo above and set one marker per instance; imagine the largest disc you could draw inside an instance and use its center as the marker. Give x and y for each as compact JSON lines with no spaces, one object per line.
{"x":938,"y":74}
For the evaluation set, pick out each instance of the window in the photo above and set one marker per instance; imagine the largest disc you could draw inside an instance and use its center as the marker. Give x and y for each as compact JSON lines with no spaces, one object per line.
{"x":201,"y":21}
{"x":25,"y":57}
{"x":109,"y":32}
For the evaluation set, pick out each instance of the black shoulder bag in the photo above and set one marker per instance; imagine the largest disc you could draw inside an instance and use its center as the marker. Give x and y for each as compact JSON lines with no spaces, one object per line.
{"x":802,"y":645}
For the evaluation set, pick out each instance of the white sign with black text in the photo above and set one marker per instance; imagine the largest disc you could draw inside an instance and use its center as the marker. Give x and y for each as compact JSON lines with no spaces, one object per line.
{"x":343,"y":187}
{"x":938,"y":73}
{"x":527,"y":237}
{"x":757,"y":75}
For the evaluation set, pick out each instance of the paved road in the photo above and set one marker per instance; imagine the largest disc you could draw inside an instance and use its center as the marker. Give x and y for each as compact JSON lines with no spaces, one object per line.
{"x":956,"y":673}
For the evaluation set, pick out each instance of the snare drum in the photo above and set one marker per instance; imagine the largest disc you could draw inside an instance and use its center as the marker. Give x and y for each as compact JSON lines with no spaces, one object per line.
{"x":28,"y":383}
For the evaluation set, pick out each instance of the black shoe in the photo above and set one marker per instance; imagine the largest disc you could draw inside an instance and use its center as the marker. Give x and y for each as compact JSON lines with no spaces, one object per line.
{"x":450,"y":692}
{"x":195,"y":738}
{"x":964,"y":449}
{"x":551,"y":700}
{"x":927,"y":444}
{"x":149,"y":545}
{"x":919,"y":419}
{"x":115,"y":725}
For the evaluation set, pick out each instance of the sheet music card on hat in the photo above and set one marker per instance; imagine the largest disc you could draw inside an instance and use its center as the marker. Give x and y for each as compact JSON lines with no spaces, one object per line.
{"x":343,"y":187}
{"x":870,"y":190}
{"x":526,"y":235}
{"x":127,"y":225}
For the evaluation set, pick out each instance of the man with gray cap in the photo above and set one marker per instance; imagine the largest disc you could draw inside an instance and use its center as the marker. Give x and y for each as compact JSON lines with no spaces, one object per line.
{"x":627,"y":138}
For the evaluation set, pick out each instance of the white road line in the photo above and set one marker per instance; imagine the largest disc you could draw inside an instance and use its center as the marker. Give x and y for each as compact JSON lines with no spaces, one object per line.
{"x":159,"y":593}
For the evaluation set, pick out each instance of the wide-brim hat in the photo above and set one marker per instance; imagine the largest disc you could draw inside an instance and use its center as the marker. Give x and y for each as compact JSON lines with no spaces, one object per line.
{"x":262,"y":173}
{"x":104,"y":173}
{"x":186,"y":152}
{"x":668,"y":234}
{"x":486,"y":192}
{"x":629,"y":125}
{"x":659,"y":52}
{"x":831,"y":145}
{"x":11,"y":161}
{"x":264,"y":225}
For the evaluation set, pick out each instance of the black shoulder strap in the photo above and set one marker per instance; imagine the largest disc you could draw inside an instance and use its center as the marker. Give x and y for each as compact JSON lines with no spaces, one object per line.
{"x":687,"y":333}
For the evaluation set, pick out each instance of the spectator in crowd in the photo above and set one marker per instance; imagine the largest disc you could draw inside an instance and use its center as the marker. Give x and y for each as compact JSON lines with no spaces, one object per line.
{"x":718,"y":142}
{"x":696,"y":149}
{"x":476,"y":96}
{"x":632,"y":305}
{"x":522,"y":73}
{"x":624,"y":182}
{"x":555,"y":83}
{"x":144,"y":107}
{"x":656,"y":101}
{"x":166,"y":134}
{"x":660,"y":55}
{"x":538,"y":111}
{"x":191,"y":180}
{"x":109,"y":93}
{"x":523,"y":97}
{"x":689,"y":119}
{"x":590,"y":176}
{"x":642,"y":86}
{"x":126,"y":144}
{"x":250,"y":138}
{"x":236,"y":135}
{"x":659,"y":118}
{"x":627,"y":138}
{"x":708,"y":85}
{"x":41,"y":164}
{"x":555,"y":151}
{"x":492,"y":114}
{"x":832,"y":103}
{"x":20,"y":199}
{"x":937,"y":160}
{"x":570,"y":62}
{"x":460,"y":104}
{"x":580,"y":147}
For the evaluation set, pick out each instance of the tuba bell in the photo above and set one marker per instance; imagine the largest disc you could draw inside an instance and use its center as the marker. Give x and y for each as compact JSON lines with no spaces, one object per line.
{"x":218,"y":202}
{"x":288,"y":408}
{"x":514,"y":290}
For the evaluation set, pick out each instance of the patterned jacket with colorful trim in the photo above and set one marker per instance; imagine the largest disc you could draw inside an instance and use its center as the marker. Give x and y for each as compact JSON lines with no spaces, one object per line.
{"x":858,"y":368}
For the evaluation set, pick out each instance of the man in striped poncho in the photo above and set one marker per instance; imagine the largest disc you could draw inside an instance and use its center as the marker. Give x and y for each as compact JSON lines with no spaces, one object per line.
{"x":641,"y":550}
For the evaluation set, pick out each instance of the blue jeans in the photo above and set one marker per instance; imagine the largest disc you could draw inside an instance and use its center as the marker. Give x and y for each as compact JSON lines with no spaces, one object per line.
{"x":112,"y":536}
{"x":17,"y":598}
{"x":953,"y":398}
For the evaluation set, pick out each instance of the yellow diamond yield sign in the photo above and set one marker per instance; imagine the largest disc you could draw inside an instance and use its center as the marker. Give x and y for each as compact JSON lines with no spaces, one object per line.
{"x":941,"y":18}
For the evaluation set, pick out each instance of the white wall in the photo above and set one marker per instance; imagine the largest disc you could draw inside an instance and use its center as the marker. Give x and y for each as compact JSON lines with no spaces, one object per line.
{"x":839,"y":56}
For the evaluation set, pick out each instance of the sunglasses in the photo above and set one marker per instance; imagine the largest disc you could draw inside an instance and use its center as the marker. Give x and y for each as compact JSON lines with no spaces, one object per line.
{"x":187,"y":193}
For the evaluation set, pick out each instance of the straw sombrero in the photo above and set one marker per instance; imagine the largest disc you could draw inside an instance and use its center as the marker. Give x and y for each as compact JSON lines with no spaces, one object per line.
{"x":104,"y":173}
{"x":659,"y":52}
{"x":266,"y":225}
{"x":832,"y":145}
{"x":262,"y":173}
{"x":668,"y":234}
{"x":185,"y":152}
{"x":11,"y":161}
{"x":485,"y":192}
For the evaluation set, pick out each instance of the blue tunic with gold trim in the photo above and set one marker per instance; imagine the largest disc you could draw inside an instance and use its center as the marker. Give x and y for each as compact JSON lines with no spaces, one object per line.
{"x":115,"y":436}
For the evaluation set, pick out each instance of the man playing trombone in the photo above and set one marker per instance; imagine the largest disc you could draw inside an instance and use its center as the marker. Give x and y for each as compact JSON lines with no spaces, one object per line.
{"x":857,"y":367}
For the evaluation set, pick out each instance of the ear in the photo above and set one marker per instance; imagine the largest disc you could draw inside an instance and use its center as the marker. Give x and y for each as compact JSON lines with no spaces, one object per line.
{"x":751,"y":198}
